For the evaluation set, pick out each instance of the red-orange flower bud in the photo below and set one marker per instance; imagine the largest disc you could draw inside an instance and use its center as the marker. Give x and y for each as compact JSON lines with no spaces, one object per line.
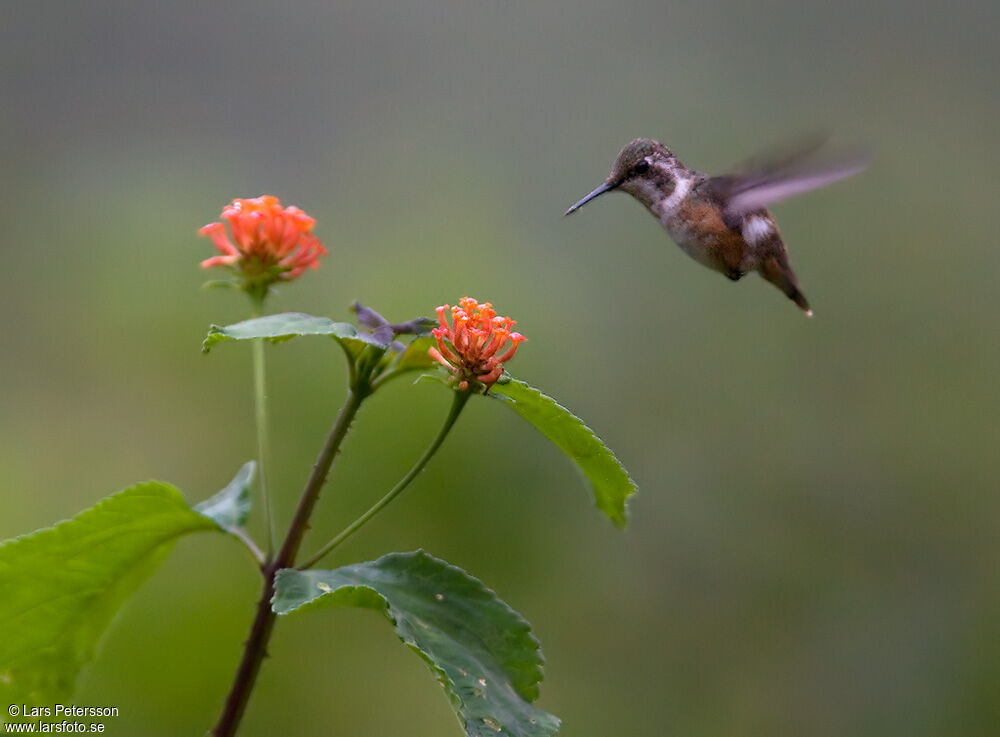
{"x":266,"y":242}
{"x":470,"y":347}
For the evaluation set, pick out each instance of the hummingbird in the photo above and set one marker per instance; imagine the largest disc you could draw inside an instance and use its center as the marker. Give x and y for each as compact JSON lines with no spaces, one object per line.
{"x":722,"y":222}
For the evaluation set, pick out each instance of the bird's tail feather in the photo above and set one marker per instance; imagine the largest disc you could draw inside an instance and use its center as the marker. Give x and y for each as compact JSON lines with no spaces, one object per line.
{"x":777,"y":271}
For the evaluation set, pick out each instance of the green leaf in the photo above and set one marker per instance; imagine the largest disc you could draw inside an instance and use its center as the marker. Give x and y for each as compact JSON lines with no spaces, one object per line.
{"x":412,"y":358}
{"x":480,"y":649}
{"x":230,"y":508}
{"x":61,"y":586}
{"x":610,"y":481}
{"x":288,"y":325}
{"x":415,"y":357}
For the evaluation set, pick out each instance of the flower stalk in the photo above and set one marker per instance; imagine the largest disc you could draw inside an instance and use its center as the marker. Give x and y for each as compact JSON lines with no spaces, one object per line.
{"x":260,"y":412}
{"x":457,"y":404}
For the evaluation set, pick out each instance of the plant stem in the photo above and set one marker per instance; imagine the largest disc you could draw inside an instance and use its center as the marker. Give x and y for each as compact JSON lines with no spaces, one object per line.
{"x":300,"y":522}
{"x":260,"y":407}
{"x":255,"y":648}
{"x":458,"y":403}
{"x":249,"y":544}
{"x":254,"y":651}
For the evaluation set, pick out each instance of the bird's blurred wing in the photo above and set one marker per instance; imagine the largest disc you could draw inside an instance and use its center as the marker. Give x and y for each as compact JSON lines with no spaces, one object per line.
{"x":758,"y":183}
{"x":783,"y":156}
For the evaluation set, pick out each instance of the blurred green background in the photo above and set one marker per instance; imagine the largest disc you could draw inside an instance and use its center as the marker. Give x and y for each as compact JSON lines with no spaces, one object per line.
{"x":814,"y":549}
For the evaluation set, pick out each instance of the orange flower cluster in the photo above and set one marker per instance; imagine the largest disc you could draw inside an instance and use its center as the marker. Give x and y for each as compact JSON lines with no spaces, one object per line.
{"x":269,"y":242}
{"x":469,"y":347}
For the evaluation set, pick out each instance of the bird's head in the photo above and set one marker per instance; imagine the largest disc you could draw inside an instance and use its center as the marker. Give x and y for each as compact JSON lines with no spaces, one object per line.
{"x":637,"y":169}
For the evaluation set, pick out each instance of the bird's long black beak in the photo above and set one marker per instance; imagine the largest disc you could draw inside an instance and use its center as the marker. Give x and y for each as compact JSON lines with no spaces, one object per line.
{"x":596,"y":193}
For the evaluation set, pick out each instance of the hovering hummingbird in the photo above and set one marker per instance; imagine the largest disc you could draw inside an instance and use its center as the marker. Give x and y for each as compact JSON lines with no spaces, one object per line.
{"x":721,"y":222}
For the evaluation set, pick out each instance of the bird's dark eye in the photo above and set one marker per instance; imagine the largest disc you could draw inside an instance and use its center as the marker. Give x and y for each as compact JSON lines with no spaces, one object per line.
{"x":641,"y":167}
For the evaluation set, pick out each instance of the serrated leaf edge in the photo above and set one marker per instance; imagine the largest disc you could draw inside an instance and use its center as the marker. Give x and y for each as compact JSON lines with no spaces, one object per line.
{"x":449,"y":685}
{"x":136,"y":490}
{"x":620,"y":520}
